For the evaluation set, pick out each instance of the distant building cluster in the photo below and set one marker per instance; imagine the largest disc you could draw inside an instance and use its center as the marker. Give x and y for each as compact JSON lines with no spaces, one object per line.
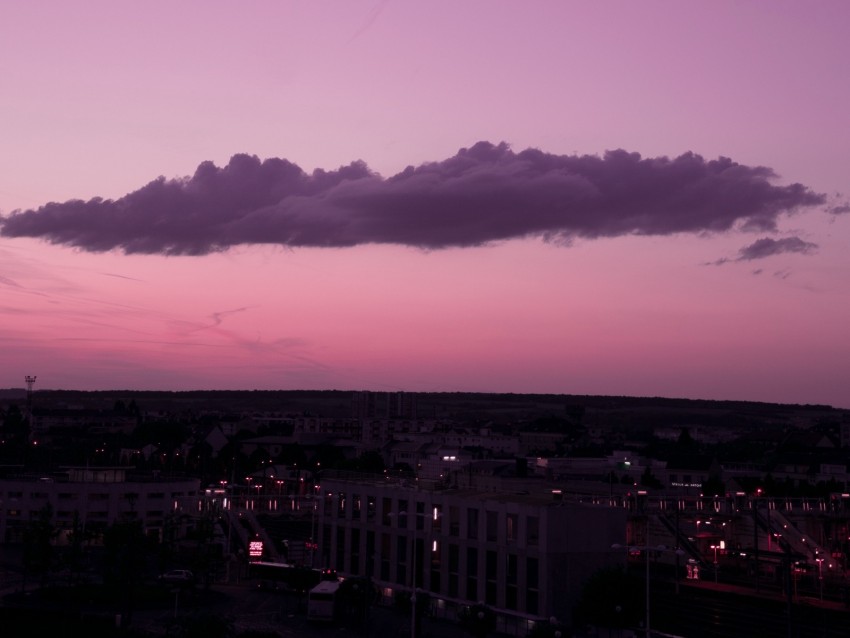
{"x":500,"y":500}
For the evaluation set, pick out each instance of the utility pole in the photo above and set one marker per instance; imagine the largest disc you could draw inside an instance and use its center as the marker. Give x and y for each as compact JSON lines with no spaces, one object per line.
{"x":678,"y":548}
{"x":756,"y":537}
{"x":413,"y":591}
{"x":646,"y":543}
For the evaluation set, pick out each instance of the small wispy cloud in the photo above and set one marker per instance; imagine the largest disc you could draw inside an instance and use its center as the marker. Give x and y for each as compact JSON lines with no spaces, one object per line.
{"x":483,"y":194}
{"x":112,"y":274}
{"x":768,"y":247}
{"x":782,"y":274}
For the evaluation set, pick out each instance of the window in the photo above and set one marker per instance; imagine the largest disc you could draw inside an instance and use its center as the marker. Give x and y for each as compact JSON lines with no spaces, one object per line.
{"x":401,"y":559}
{"x":386,"y":511}
{"x":472,"y":573}
{"x":370,"y":553}
{"x":532,"y":592}
{"x":511,"y":521}
{"x":417,"y":560}
{"x":436,"y":563}
{"x":454,"y":568}
{"x":370,"y":507}
{"x":340,"y":505}
{"x":492,"y":527}
{"x":454,"y":558}
{"x":532,"y":531}
{"x":472,"y":523}
{"x":386,"y":556}
{"x":454,"y":521}
{"x":355,"y":551}
{"x":420,"y":516}
{"x":402,"y":515}
{"x":491,"y":589}
{"x":511,"y":581}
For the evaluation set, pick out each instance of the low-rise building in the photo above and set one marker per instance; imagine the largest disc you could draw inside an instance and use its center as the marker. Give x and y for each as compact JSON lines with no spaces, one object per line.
{"x":94,"y":498}
{"x":525,"y":555}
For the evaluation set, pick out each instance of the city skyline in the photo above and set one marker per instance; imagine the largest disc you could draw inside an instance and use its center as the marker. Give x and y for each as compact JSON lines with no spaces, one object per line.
{"x":606,"y":199}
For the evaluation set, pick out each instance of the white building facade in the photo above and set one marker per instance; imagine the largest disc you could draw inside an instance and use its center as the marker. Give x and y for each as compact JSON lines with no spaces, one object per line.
{"x":526,"y":556}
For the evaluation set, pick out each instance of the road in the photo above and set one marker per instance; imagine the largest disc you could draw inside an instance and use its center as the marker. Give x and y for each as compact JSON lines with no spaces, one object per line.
{"x":285,"y":614}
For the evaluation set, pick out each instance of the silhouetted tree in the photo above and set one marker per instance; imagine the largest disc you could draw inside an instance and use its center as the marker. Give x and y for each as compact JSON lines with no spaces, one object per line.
{"x":479,"y":620}
{"x":610,"y":598}
{"x":15,"y":436}
{"x":370,"y":462}
{"x":423,"y":604}
{"x":713,"y":485}
{"x":356,"y":596}
{"x":205,"y":625}
{"x":74,"y":555}
{"x":549,"y":629}
{"x":292,"y":455}
{"x":648,"y":479}
{"x":38,"y":545}
{"x":126,"y":549}
{"x":203,"y":557}
{"x":685,"y":442}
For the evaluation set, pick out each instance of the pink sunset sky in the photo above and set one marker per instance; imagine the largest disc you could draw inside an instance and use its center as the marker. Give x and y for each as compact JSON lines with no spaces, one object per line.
{"x":621,"y":255}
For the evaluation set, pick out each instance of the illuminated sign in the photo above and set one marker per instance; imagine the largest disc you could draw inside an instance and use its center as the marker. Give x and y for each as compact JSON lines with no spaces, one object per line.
{"x":255,"y":549}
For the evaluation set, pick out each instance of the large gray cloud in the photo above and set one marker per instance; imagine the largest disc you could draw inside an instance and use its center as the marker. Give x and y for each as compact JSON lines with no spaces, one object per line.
{"x":483,"y":194}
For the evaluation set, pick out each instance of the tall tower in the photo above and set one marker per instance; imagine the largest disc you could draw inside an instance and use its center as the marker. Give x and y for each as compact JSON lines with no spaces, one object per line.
{"x":30,"y":381}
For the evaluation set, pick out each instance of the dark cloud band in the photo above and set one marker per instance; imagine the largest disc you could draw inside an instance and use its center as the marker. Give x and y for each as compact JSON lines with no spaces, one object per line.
{"x":483,"y":194}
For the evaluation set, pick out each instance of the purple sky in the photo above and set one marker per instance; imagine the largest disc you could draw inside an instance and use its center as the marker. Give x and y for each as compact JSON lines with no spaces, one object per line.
{"x":589,"y":198}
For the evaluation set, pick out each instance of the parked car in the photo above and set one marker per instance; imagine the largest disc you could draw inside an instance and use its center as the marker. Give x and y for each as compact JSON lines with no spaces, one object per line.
{"x":178,"y":577}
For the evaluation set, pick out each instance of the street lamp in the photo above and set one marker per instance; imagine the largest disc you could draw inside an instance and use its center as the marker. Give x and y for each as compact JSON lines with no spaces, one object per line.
{"x":403,"y":514}
{"x":313,"y":505}
{"x":715,"y":548}
{"x":646,"y":549}
{"x":820,"y":576}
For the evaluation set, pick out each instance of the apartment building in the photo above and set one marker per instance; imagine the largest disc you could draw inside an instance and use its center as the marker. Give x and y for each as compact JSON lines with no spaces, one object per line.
{"x":526,"y":555}
{"x":95,"y":497}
